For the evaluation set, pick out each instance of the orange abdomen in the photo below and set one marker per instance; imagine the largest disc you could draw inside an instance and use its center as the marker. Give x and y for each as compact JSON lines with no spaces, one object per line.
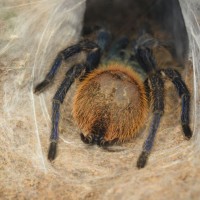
{"x":114,"y":95}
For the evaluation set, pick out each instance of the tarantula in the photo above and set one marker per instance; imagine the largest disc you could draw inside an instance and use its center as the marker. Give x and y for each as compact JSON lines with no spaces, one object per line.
{"x":112,"y":101}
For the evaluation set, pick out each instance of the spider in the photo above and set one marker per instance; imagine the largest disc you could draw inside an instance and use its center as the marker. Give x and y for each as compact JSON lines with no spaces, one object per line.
{"x":113,"y":100}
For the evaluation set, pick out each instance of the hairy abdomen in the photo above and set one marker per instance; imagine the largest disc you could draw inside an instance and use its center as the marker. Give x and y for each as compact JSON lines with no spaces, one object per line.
{"x":114,"y":98}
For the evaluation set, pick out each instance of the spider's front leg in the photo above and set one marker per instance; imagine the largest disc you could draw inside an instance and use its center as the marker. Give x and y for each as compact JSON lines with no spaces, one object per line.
{"x":84,"y":45}
{"x":58,"y":99}
{"x":93,"y":51}
{"x":91,"y":62}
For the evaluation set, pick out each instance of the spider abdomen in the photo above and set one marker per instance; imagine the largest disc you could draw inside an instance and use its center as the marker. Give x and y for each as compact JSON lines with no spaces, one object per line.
{"x":113,"y":100}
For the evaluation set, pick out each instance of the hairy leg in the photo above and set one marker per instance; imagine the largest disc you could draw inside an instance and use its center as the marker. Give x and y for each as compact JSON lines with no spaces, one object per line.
{"x":184,"y":94}
{"x":74,"y":72}
{"x":157,"y":87}
{"x":145,"y":59}
{"x":84,"y":45}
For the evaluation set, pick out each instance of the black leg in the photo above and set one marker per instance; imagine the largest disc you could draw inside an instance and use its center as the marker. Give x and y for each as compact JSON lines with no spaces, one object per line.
{"x":98,"y":130}
{"x":85,"y":45}
{"x":93,"y":139}
{"x":184,"y":94}
{"x":157,"y":87}
{"x":104,"y":143}
{"x":145,"y":59}
{"x":74,"y":72}
{"x":89,"y":139}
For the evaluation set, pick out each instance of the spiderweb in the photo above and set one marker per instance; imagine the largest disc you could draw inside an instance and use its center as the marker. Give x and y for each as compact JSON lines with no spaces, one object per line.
{"x":31,"y":34}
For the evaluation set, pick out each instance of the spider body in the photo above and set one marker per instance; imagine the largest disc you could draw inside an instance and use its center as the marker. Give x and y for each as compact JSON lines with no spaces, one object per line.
{"x":112,"y":98}
{"x":112,"y":102}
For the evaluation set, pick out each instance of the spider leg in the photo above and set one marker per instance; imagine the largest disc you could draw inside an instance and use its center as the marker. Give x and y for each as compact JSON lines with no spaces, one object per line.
{"x":98,"y":131}
{"x":184,"y":94}
{"x":145,"y":59}
{"x":84,"y":45}
{"x":89,"y":139}
{"x":74,"y":72}
{"x":92,"y":139}
{"x":102,"y":40}
{"x":97,"y":134}
{"x":58,"y":99}
{"x":157,"y":87}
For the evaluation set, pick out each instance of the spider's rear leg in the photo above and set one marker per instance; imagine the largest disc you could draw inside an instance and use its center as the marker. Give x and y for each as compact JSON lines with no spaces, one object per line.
{"x":84,"y":45}
{"x":97,"y":134}
{"x":98,"y":130}
{"x":184,"y":94}
{"x":157,"y":87}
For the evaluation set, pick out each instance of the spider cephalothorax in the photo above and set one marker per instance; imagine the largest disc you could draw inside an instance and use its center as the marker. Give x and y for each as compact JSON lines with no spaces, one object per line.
{"x":112,"y":100}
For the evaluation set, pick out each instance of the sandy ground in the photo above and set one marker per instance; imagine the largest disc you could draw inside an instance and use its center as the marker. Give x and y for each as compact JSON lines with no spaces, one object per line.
{"x":81,"y":171}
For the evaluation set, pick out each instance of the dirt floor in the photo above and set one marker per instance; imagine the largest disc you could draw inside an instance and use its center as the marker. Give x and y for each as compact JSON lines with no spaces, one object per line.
{"x":82,"y":172}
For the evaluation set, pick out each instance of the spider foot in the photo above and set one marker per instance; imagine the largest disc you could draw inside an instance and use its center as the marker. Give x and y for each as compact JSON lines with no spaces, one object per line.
{"x":187,"y":131}
{"x":103,"y":143}
{"x":142,"y":160}
{"x":94,"y":139}
{"x":41,"y":86}
{"x":52,"y":150}
{"x":89,"y":139}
